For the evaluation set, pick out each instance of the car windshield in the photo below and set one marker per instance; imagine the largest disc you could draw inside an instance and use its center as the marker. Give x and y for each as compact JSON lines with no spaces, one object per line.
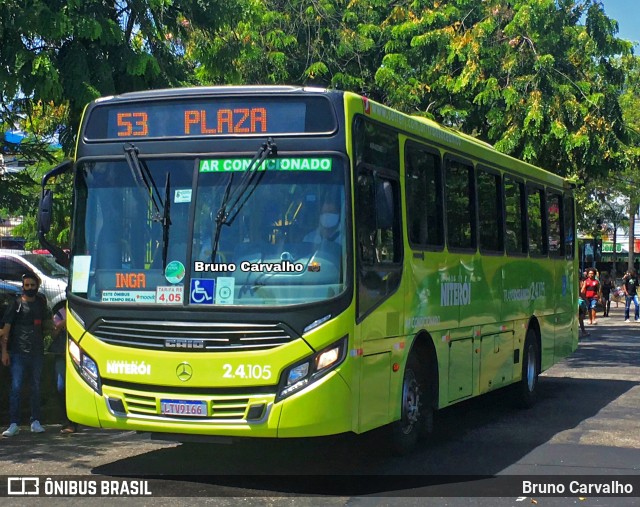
{"x":47,"y":265}
{"x":231,"y":240}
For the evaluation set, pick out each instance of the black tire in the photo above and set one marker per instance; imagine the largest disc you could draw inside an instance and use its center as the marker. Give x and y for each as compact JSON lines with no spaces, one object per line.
{"x":526,"y":391}
{"x":416,"y":418}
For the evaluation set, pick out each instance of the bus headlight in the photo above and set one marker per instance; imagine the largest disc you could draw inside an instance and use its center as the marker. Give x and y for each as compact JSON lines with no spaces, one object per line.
{"x":85,"y":366}
{"x":297,"y":374}
{"x":300,"y":375}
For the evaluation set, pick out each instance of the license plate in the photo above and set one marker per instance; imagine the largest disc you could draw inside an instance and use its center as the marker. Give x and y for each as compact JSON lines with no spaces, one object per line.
{"x":183,"y":407}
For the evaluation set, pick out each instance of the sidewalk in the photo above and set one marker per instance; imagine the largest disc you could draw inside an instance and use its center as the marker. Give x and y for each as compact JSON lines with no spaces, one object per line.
{"x":615,"y":318}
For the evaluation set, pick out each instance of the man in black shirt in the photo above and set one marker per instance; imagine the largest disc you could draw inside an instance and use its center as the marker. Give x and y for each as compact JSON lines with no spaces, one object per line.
{"x":630,"y":287}
{"x":27,"y":319}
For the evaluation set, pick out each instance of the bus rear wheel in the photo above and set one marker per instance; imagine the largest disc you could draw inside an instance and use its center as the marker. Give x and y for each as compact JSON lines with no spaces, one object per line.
{"x":416,"y":418}
{"x":526,"y":391}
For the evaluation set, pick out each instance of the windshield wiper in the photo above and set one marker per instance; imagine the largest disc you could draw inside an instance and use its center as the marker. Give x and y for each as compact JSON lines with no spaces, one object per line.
{"x":233,"y":202}
{"x":166,"y":220}
{"x":144,"y":181}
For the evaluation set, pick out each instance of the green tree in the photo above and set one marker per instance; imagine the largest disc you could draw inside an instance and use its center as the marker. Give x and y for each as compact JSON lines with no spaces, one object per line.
{"x":66,"y":53}
{"x":627,"y":182}
{"x":75,"y":51}
{"x":523,"y":75}
{"x":529,"y":76}
{"x":334,"y":43}
{"x":38,"y":121}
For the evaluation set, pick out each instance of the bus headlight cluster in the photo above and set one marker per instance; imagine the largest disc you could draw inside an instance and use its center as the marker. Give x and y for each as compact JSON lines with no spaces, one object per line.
{"x":312,"y":368}
{"x":85,"y":366}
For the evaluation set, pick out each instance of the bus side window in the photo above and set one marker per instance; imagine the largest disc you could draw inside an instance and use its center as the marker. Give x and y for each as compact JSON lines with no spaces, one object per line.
{"x":377,"y":235}
{"x":536,"y":222}
{"x":489,"y":211}
{"x":366,"y":221}
{"x":386,"y":237}
{"x":460,"y":194}
{"x":514,"y":216}
{"x":379,"y":238}
{"x":554,"y":213}
{"x":423,"y":183}
{"x":569,"y":220}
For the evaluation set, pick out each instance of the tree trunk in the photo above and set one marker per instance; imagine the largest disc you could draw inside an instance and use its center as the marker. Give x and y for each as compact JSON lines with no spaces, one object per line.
{"x":632,"y":227}
{"x":612,"y":275}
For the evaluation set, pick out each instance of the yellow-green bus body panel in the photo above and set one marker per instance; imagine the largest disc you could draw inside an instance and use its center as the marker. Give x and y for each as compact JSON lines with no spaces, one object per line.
{"x":305,"y":413}
{"x":473,"y":309}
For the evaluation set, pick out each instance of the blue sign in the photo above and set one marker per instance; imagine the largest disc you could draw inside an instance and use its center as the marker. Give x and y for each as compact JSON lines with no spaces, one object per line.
{"x":202,"y":292}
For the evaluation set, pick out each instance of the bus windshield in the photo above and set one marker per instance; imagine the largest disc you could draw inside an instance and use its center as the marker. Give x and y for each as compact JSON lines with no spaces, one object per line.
{"x":283,"y":243}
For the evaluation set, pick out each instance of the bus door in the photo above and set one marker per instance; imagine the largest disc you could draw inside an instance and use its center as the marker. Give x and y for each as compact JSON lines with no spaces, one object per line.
{"x":379,"y":303}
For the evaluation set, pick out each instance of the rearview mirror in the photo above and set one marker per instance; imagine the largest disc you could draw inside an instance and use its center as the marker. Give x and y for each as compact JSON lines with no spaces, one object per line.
{"x":44,"y":211}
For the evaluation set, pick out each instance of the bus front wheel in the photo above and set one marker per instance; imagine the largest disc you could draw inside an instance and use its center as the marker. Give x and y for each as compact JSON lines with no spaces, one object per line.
{"x":416,"y":410}
{"x":526,"y":391}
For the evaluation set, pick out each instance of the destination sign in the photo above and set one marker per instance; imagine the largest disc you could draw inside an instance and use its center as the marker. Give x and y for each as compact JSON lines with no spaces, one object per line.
{"x":210,"y":117}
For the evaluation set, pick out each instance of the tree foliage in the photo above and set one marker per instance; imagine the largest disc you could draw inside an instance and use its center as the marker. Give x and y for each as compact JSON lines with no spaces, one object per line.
{"x":526,"y":75}
{"x":63,"y":54}
{"x":547,"y":81}
{"x":540,"y":79}
{"x":71,"y":52}
{"x":38,"y":121}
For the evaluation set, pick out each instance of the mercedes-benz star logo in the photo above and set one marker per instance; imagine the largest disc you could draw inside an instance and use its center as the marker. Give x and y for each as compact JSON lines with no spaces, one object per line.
{"x":184,"y":371}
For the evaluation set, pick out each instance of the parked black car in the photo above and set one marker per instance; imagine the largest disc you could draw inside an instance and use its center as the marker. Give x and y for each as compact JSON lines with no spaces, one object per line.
{"x":7,"y":294}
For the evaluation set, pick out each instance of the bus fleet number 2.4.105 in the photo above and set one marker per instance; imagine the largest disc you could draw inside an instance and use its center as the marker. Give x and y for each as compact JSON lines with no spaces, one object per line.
{"x":247,"y":371}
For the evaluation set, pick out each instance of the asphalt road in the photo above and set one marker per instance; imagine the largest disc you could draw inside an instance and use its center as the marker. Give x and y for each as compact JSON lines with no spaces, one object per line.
{"x":586,"y":423}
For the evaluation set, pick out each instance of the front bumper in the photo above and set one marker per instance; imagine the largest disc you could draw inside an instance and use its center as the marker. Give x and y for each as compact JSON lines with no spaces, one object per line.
{"x":323,"y":408}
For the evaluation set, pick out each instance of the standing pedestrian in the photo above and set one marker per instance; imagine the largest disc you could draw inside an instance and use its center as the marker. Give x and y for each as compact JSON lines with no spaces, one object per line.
{"x":591,"y":290}
{"x":59,"y":348}
{"x":630,"y":288}
{"x":27,"y":320}
{"x":606,"y":287}
{"x":582,"y":311}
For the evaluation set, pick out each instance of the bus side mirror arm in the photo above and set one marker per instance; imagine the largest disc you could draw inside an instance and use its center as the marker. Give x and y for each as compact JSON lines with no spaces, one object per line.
{"x":45,"y":213}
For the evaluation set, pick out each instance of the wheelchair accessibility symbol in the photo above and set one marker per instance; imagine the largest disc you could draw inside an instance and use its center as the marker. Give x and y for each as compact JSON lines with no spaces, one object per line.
{"x":202,"y":292}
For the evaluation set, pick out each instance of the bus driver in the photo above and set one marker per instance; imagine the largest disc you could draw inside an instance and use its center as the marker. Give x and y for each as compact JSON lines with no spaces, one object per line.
{"x":329,"y":224}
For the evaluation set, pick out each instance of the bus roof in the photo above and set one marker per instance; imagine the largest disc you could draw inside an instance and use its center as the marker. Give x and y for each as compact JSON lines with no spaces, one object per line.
{"x":444,"y":137}
{"x":457,"y":142}
{"x":202,"y":91}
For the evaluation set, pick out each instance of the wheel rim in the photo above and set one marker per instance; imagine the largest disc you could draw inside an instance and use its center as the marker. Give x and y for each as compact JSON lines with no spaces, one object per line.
{"x":410,"y":402}
{"x":531,"y":369}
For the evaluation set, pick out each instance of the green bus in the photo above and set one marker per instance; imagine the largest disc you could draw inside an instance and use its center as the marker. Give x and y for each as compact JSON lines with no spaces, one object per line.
{"x":275,"y":261}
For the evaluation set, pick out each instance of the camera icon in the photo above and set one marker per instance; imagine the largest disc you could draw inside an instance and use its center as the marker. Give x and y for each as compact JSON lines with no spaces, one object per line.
{"x":23,"y":486}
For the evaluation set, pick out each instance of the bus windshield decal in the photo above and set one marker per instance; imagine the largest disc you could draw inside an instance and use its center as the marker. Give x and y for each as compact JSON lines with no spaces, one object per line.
{"x":277,"y":164}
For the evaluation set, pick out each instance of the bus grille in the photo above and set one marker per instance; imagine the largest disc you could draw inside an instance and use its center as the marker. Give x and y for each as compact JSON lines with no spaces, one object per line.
{"x":191,"y":336}
{"x":222,"y":408}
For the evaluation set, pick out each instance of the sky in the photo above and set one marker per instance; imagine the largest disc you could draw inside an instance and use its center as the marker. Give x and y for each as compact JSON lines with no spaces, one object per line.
{"x":627,"y":14}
